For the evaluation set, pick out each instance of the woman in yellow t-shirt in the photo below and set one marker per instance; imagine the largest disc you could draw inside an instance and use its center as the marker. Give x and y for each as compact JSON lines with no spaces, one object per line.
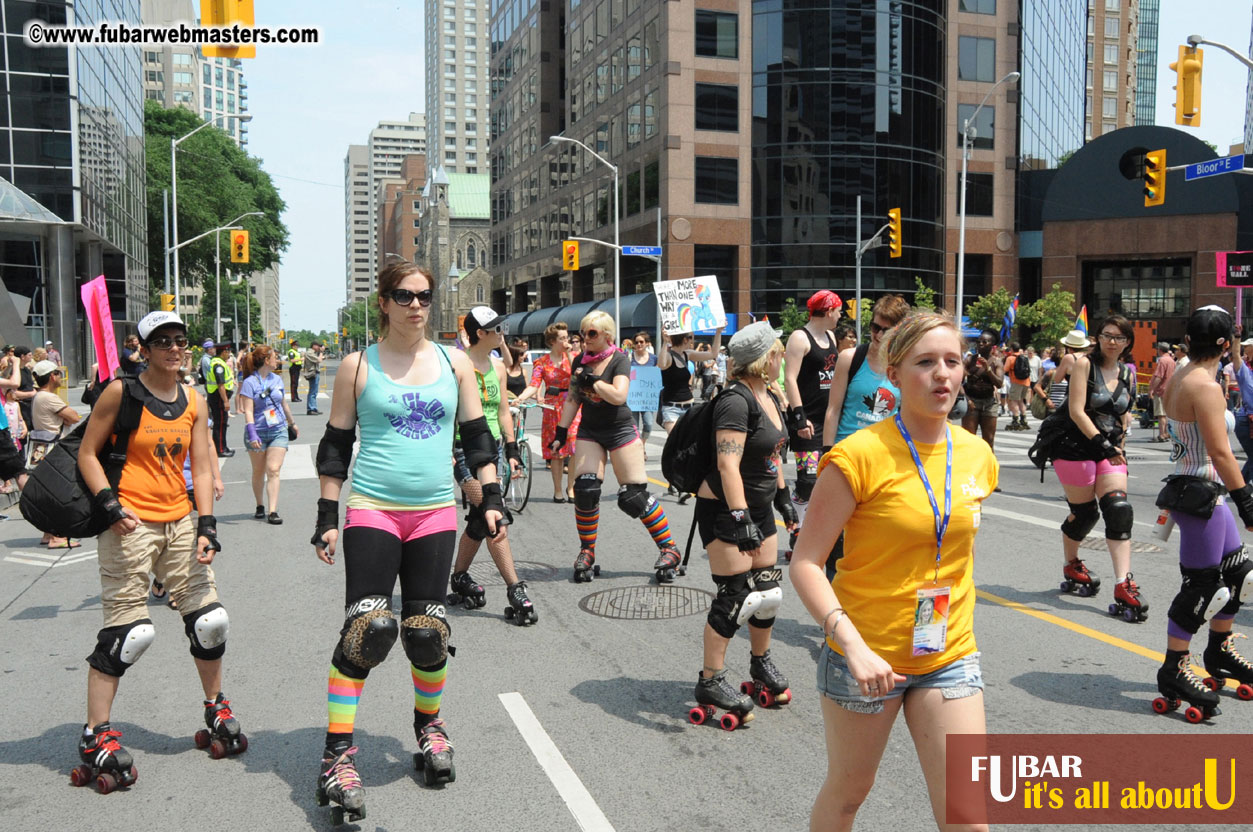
{"x":898,"y":617}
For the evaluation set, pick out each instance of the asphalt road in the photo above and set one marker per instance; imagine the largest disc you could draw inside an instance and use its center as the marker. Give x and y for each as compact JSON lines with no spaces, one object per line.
{"x":578,"y":722}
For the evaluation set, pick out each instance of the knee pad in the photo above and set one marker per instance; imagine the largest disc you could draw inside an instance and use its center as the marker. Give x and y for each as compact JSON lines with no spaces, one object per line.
{"x":765,"y":583}
{"x":804,"y":487}
{"x":726,"y":613}
{"x":424,"y":632}
{"x":587,"y":492}
{"x":633,"y":499}
{"x":369,"y":632}
{"x":1237,"y":574}
{"x":206,"y":630}
{"x":1085,"y":517}
{"x":1118,"y":515}
{"x":1201,"y":595}
{"x":117,"y":648}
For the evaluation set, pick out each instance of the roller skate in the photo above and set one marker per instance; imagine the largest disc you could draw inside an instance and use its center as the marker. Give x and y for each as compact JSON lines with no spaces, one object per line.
{"x":1223,"y":662}
{"x":1127,"y":602}
{"x":223,"y":735}
{"x":585,"y":566}
{"x":1175,"y":681}
{"x":340,"y":783}
{"x":466,"y":592}
{"x":105,"y":761}
{"x":768,"y":687}
{"x":716,"y":692}
{"x":520,"y":610}
{"x":1077,"y":579}
{"x":669,"y":563}
{"x":434,"y":757}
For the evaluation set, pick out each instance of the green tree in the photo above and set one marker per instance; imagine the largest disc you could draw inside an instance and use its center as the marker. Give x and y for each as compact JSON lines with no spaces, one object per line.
{"x":234,"y":300}
{"x":792,"y":318}
{"x":1052,"y":315}
{"x":217,"y":181}
{"x":924,"y":295}
{"x":353,"y":319}
{"x":989,"y":310}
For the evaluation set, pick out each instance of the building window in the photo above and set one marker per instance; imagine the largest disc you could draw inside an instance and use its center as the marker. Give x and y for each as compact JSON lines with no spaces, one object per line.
{"x":1108,"y":127}
{"x":978,"y":195}
{"x":717,"y":34}
{"x":155,"y":95}
{"x":976,"y":59}
{"x":1111,"y":53}
{"x":182,"y":96}
{"x":155,"y":76}
{"x":450,"y":157}
{"x":979,"y":6}
{"x":478,"y":293}
{"x":984,"y":125}
{"x":1111,"y":81}
{"x":1089,"y":78}
{"x":1109,"y":107}
{"x":1113,"y":5}
{"x":717,"y":180}
{"x":717,"y":107}
{"x":152,"y":57}
{"x":470,"y":256}
{"x":1111,"y":27}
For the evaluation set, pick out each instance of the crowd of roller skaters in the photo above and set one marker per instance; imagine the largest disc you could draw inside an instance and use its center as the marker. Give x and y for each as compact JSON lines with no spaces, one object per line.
{"x":896,"y":614}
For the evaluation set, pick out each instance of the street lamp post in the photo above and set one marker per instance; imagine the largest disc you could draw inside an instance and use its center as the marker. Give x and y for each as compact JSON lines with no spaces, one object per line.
{"x":174,"y":143}
{"x":617,"y":249}
{"x":968,"y":131}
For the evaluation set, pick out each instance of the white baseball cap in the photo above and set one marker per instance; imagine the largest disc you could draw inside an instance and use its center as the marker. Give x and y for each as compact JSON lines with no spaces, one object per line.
{"x":155,"y":320}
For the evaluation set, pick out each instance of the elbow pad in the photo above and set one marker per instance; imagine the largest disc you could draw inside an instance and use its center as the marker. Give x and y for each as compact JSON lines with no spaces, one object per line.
{"x":478,"y":443}
{"x":335,"y":452}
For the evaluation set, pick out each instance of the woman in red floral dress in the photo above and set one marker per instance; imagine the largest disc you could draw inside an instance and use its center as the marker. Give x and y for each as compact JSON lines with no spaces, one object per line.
{"x":553,"y":372}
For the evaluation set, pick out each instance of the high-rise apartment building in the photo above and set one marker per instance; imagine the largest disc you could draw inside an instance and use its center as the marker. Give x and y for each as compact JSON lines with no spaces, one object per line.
{"x":387,"y":147}
{"x":457,"y":90}
{"x":358,"y":199}
{"x":1113,"y":65}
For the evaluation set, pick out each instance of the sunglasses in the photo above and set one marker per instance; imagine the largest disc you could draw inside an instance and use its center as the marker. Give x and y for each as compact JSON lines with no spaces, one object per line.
{"x":405,"y":297}
{"x":878,"y":330}
{"x":164,"y":342}
{"x":590,"y":333}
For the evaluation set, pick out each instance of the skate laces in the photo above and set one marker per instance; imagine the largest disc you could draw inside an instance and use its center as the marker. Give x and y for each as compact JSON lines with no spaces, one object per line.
{"x":1229,"y":647}
{"x":1130,"y":587}
{"x":585,"y":558}
{"x":667,"y":557}
{"x":1185,"y":671}
{"x":343,"y":772}
{"x":107,"y":740}
{"x":433,"y":739}
{"x":221,"y":710}
{"x":1079,"y":568}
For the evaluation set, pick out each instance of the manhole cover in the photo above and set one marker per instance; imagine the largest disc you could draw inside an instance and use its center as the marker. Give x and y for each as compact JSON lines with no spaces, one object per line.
{"x":647,"y":603}
{"x":485,"y":572}
{"x":1137,"y":546}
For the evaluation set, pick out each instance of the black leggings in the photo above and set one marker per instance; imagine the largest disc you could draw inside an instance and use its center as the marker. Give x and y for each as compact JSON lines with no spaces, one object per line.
{"x":373,"y":559}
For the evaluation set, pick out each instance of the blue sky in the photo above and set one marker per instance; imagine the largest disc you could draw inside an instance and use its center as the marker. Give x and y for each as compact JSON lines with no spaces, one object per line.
{"x":310,"y":103}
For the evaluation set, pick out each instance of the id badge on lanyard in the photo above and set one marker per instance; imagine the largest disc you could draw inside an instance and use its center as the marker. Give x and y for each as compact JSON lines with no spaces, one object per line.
{"x":931,"y":603}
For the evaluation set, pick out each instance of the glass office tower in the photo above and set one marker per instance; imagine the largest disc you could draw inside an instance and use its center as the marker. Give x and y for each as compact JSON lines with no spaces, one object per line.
{"x":1053,"y":83}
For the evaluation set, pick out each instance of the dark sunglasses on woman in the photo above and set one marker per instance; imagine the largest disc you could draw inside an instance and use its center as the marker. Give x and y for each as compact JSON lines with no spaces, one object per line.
{"x":405,"y":297}
{"x":164,"y":342}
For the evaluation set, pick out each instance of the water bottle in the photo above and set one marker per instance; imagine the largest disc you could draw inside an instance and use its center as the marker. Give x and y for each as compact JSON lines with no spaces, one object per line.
{"x":1164,"y":525}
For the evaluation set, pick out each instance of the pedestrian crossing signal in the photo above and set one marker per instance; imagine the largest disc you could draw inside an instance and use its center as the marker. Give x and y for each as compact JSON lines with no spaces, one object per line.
{"x":570,"y":255}
{"x":1154,"y":178}
{"x":894,"y":232}
{"x":239,"y":246}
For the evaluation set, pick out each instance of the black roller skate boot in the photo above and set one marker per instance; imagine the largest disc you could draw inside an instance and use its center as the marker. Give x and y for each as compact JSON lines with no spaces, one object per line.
{"x":434,"y":757}
{"x":768,"y":687}
{"x":520,"y":610}
{"x":1175,"y":681}
{"x":669,"y":563}
{"x":339,"y":783}
{"x":716,"y":692}
{"x":1077,"y":579}
{"x":585,"y":566}
{"x":1128,"y":604}
{"x":1223,"y":661}
{"x":105,"y":761}
{"x":223,"y":735}
{"x":465,"y":591}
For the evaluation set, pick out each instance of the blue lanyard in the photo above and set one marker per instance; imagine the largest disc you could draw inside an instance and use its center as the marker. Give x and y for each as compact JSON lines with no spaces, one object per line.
{"x":941,"y":521}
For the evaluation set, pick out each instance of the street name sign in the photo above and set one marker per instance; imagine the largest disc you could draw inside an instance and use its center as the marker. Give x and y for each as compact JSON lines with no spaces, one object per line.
{"x":1213,"y":167}
{"x":642,"y":251}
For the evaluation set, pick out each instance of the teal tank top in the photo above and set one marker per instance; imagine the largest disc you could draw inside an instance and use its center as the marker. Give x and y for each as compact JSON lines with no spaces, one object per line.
{"x":406,"y":437}
{"x":870,"y":398}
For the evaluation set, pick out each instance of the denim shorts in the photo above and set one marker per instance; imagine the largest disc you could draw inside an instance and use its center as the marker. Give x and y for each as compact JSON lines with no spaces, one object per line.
{"x":275,"y":439}
{"x":958,"y":680}
{"x":672,"y":412}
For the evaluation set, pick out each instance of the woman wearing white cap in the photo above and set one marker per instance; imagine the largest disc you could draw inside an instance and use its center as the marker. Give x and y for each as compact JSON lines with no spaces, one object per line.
{"x":50,"y":416}
{"x":735,"y":515}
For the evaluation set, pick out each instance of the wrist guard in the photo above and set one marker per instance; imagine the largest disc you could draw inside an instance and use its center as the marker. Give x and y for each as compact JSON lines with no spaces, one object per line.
{"x":1243,"y":498}
{"x":560,"y":437}
{"x":796,"y":419}
{"x":587,"y":379}
{"x":207,"y":527}
{"x":747,"y":535}
{"x":108,"y":503}
{"x":328,"y":518}
{"x":250,"y":433}
{"x":512,"y":452}
{"x":494,"y":500}
{"x":1103,"y":447}
{"x":783,"y":503}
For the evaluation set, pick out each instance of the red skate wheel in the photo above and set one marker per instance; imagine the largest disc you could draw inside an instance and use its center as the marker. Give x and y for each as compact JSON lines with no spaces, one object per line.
{"x":80,"y":775}
{"x":1193,"y":715}
{"x":765,"y":698}
{"x":1210,"y":682}
{"x":1245,"y":692}
{"x":134,"y":775}
{"x":729,"y":722}
{"x":217,"y":749}
{"x":242,"y":745}
{"x":105,"y":783}
{"x":202,"y":739}
{"x":1161,"y":706}
{"x":746,"y":688}
{"x":697,"y":716}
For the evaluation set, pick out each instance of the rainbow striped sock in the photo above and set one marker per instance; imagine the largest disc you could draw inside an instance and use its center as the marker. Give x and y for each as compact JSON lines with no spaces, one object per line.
{"x":658,"y":526}
{"x":342,"y":695}
{"x":428,"y":688}
{"x":587,"y":523}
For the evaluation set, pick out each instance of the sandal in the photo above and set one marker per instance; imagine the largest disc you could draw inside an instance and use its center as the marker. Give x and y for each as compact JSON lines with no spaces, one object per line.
{"x":65,"y":543}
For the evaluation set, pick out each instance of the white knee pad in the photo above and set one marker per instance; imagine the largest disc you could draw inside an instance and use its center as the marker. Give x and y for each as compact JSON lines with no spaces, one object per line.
{"x":750,"y":605}
{"x":771,"y":600}
{"x":210,"y":628}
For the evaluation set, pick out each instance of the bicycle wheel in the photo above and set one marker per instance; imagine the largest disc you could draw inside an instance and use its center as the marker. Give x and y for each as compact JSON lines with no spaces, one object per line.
{"x":502,"y":474}
{"x":522,"y":483}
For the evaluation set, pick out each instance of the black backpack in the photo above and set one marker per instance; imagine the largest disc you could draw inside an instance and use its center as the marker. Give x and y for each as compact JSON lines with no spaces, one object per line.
{"x":689,"y":452}
{"x":55,"y":499}
{"x":1022,"y":367}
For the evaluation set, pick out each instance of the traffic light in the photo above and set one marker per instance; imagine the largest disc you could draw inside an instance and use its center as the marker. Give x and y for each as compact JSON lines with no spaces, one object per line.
{"x":239,"y":246}
{"x":167,"y":303}
{"x":282,"y":334}
{"x":1188,"y":86}
{"x":570,"y":255}
{"x":894,"y":232}
{"x":1154,"y":178}
{"x":227,"y":13}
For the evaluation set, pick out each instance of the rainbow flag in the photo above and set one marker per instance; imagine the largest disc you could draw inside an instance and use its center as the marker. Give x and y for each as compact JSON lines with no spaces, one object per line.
{"x":1081,"y":322}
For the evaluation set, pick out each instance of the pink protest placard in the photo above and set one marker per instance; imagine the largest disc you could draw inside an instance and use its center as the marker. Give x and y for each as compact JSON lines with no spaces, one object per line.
{"x":96,"y":303}
{"x":1233,"y":269}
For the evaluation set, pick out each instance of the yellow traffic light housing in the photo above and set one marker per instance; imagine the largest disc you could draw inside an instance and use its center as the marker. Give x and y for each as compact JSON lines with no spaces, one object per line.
{"x":1154,"y":178}
{"x":894,"y":232}
{"x":570,"y":255}
{"x":227,"y":13}
{"x":167,"y":303}
{"x":282,"y":334}
{"x":1188,"y":85}
{"x":239,"y":246}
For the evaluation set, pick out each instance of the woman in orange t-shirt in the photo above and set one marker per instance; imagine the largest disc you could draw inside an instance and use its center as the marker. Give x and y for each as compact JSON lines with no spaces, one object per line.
{"x":898,"y":617}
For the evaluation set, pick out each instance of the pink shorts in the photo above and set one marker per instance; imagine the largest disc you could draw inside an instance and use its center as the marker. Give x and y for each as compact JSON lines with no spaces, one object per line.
{"x":1083,"y":472}
{"x":405,"y":525}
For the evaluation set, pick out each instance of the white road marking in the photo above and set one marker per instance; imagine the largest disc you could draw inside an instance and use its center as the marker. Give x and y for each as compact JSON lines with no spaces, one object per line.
{"x":298,"y":464}
{"x":1016,"y":515}
{"x":50,"y":560}
{"x":578,"y":800}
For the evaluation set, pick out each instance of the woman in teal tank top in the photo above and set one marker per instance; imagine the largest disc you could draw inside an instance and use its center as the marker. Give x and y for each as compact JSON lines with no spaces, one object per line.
{"x":401,"y":521}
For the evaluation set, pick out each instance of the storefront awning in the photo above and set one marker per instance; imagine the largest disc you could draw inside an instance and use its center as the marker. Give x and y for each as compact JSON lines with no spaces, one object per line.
{"x":638,"y":312}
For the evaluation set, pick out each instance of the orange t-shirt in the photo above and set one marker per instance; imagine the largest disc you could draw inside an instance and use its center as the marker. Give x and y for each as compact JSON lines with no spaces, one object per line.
{"x":152,"y":482}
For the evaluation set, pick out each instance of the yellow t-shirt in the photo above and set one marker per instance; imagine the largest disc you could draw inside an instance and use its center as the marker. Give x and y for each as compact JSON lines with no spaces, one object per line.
{"x":889,"y":542}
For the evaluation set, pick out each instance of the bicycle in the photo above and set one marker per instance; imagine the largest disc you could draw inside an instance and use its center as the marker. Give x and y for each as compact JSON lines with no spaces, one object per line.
{"x":517,"y":489}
